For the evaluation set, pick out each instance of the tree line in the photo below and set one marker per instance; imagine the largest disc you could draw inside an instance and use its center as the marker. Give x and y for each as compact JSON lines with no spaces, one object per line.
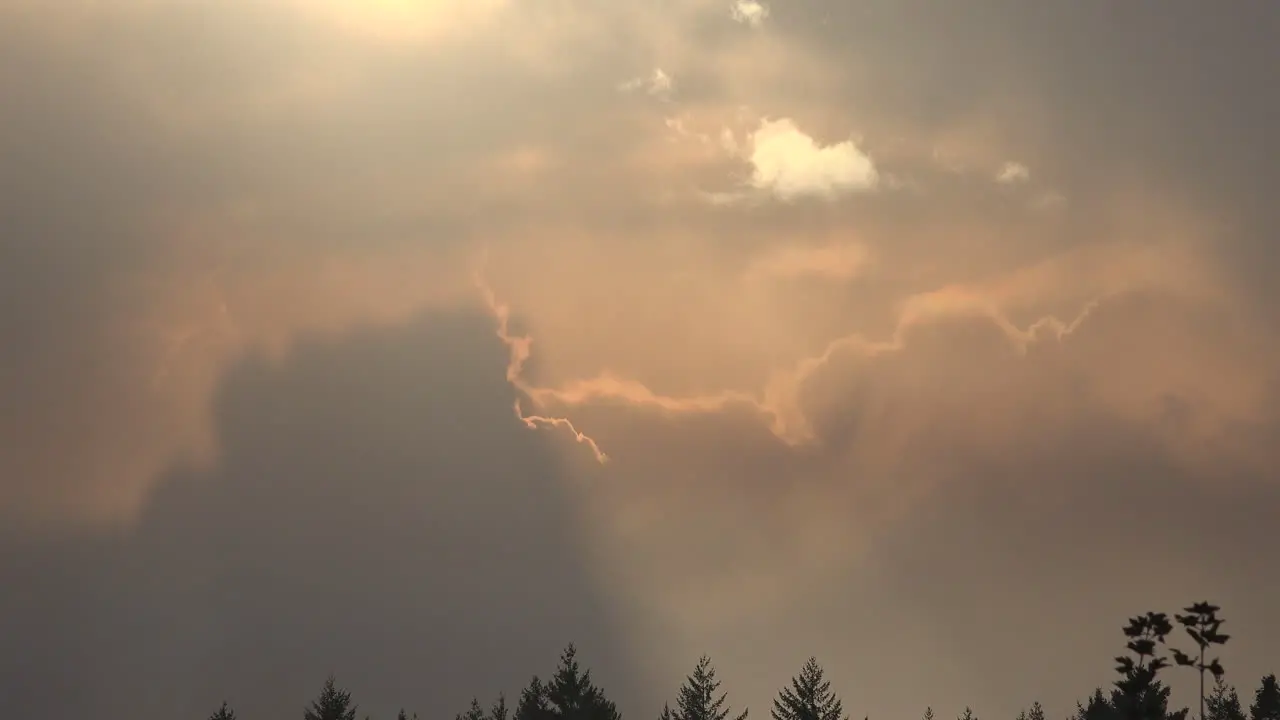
{"x":1140,"y":693}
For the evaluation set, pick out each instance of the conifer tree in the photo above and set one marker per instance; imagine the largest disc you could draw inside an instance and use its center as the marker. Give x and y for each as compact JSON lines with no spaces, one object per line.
{"x":224,"y":713}
{"x":967,"y":714}
{"x":1266,"y":702}
{"x":928,"y":713}
{"x":533,"y":702}
{"x":1155,"y":702}
{"x":1223,"y":703}
{"x":697,"y":699}
{"x":499,"y":711}
{"x":474,"y":711}
{"x":333,"y":704}
{"x":1098,"y":707}
{"x":1036,"y":712}
{"x":809,"y":697}
{"x":572,"y":696}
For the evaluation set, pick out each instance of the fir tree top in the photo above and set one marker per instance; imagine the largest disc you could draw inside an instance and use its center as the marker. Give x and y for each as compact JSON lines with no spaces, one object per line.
{"x":1223,"y":703}
{"x":1266,"y":702}
{"x":809,"y":697}
{"x":697,"y":698}
{"x":333,"y":704}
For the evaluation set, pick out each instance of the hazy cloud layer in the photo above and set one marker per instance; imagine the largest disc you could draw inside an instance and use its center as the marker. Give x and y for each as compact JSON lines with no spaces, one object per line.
{"x":802,"y":315}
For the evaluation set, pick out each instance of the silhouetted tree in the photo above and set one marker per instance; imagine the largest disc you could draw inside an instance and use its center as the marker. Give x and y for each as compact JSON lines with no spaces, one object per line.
{"x":1099,"y":707}
{"x":1115,"y":707}
{"x":1266,"y":702}
{"x":533,"y":702}
{"x":1137,"y":676}
{"x":1157,"y":702}
{"x":403,"y":716}
{"x":1223,"y":703}
{"x":224,"y":713}
{"x":809,"y":697}
{"x":928,"y":713}
{"x":1202,"y":623}
{"x":1035,"y":712}
{"x":572,"y":696}
{"x":333,"y":704}
{"x":499,"y":710}
{"x":474,"y":711}
{"x":696,"y":699}
{"x":967,"y":714}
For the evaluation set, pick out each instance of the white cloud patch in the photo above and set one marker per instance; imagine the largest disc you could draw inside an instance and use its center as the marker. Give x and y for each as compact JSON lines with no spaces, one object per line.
{"x":658,"y":84}
{"x":750,"y":12}
{"x":791,"y":164}
{"x":1012,"y":173}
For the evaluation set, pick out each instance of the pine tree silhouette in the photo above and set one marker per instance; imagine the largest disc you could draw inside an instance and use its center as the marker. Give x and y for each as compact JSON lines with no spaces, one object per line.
{"x":1266,"y":702}
{"x":499,"y":711}
{"x":224,"y":713}
{"x":572,"y":696}
{"x":1223,"y":703}
{"x":697,"y":699}
{"x":809,"y":697}
{"x":1098,"y":707}
{"x":474,"y":712}
{"x":333,"y":704}
{"x":533,"y":702}
{"x":967,"y":714}
{"x":928,"y":713}
{"x":1036,"y":712}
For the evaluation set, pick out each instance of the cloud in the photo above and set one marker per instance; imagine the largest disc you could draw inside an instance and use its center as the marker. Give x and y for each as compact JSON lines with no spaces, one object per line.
{"x":802,"y":404}
{"x":658,"y":84}
{"x":791,"y":164}
{"x":1013,"y":172}
{"x":750,"y":12}
{"x":224,"y":564}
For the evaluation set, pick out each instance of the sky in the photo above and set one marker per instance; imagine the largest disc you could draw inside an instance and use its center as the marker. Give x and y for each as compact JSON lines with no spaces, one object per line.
{"x":411,"y":340}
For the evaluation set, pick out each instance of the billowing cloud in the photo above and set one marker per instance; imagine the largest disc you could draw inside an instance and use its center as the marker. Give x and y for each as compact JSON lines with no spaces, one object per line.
{"x":750,"y":12}
{"x":791,"y":164}
{"x":741,"y":372}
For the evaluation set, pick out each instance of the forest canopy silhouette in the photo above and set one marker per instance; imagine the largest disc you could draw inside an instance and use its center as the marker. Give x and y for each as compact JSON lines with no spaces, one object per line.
{"x":1140,"y":693}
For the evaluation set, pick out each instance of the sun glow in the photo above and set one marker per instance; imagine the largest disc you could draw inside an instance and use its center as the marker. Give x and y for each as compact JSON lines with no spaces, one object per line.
{"x":407,"y":20}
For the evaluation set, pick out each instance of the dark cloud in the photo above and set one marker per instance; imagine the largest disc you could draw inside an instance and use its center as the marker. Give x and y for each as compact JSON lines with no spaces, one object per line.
{"x":377,"y":511}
